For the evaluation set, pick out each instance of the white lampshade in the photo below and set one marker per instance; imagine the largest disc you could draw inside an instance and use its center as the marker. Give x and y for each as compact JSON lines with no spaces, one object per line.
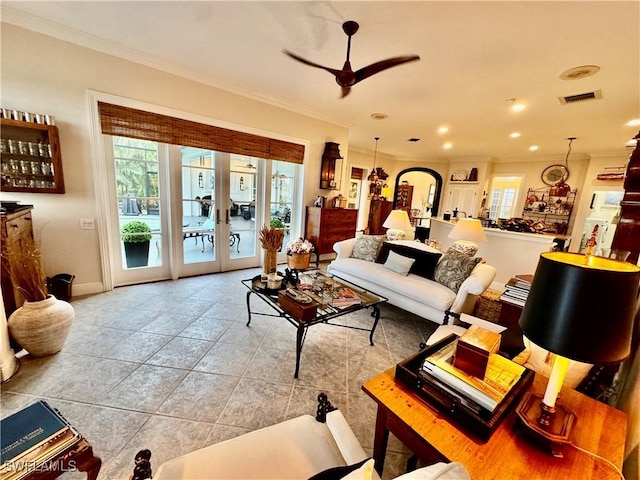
{"x":467,"y":231}
{"x":397,"y":223}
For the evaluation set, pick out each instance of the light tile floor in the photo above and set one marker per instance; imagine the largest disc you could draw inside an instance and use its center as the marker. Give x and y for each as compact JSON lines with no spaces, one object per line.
{"x":171,"y":366}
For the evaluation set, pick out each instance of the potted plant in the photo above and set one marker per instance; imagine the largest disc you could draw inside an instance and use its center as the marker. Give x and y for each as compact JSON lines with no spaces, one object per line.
{"x":136,"y":236}
{"x":276,"y":223}
{"x":42,"y":323}
{"x":299,"y":253}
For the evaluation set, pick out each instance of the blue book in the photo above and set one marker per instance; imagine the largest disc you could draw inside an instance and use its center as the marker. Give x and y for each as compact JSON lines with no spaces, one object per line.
{"x":29,"y":428}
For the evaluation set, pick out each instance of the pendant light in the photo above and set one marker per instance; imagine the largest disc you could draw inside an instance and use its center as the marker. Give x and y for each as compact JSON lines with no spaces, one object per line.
{"x":373,"y":176}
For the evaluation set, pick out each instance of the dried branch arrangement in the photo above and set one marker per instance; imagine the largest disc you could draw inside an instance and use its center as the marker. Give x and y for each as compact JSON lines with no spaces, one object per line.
{"x":25,"y":270}
{"x":271,"y":238}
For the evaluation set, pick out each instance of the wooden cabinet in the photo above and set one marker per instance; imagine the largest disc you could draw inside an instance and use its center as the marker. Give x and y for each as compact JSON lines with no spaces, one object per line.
{"x":404,"y":197}
{"x":30,"y":157}
{"x":16,"y":227}
{"x":378,"y":212}
{"x":462,"y":196}
{"x":326,"y":226}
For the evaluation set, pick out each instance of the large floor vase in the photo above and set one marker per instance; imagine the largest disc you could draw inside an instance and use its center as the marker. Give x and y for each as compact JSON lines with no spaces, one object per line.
{"x":41,"y":327}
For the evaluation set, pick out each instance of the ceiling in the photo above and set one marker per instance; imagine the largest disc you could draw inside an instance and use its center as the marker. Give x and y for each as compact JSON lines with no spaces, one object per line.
{"x":475,"y":56}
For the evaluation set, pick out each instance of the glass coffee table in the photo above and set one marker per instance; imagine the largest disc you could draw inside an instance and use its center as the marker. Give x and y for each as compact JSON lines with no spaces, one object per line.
{"x":321,"y":299}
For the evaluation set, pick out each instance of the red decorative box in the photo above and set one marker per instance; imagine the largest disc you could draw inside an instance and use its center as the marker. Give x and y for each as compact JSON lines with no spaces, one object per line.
{"x":473,"y":350}
{"x":301,"y":311}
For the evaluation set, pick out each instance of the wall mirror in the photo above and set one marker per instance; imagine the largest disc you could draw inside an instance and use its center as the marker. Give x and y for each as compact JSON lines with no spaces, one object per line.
{"x":424,"y":199}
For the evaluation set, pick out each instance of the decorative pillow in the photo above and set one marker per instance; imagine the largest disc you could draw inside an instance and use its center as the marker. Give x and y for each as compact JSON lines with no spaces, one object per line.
{"x":337,"y":473}
{"x":367,"y":247}
{"x":425,"y":261}
{"x":398,"y":263}
{"x":454,"y":268}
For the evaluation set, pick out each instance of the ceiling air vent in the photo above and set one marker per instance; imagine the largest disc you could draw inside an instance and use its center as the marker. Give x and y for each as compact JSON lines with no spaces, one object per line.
{"x":581,"y":97}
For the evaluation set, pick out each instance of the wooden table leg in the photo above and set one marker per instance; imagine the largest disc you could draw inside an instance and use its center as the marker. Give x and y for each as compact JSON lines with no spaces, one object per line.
{"x":380,"y":439}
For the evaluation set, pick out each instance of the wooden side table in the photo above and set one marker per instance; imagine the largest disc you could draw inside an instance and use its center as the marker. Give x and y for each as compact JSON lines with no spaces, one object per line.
{"x":509,"y":313}
{"x":427,"y":432}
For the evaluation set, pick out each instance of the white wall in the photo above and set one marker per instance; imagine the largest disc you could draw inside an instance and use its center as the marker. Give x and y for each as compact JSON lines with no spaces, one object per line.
{"x":44,"y":75}
{"x":511,"y":253}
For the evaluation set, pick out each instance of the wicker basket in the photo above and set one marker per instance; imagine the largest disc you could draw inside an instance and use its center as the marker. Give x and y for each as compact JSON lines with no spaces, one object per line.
{"x":298,"y":261}
{"x":487,"y":306}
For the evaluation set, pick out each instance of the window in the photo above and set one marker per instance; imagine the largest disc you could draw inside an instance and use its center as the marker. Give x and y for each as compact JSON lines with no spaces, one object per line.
{"x":504,"y":196}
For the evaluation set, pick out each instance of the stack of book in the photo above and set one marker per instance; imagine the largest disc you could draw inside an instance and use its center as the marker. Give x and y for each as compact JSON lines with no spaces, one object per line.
{"x":478,"y":393}
{"x":344,"y":297}
{"x":31,"y":439}
{"x":517,"y":290}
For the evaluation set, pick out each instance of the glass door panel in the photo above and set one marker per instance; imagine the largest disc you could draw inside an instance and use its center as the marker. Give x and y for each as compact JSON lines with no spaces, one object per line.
{"x":140,"y":220}
{"x":198,"y":202}
{"x":282,"y":195}
{"x":244,"y":212}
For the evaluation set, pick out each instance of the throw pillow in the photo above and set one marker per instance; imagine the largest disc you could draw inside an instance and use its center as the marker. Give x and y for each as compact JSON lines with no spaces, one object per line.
{"x":367,"y":247}
{"x":337,"y":473}
{"x":425,"y":261}
{"x":398,"y":263}
{"x":454,"y":268}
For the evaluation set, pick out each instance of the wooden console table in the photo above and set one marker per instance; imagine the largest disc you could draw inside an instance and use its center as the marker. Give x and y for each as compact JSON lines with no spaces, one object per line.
{"x":426,"y":432}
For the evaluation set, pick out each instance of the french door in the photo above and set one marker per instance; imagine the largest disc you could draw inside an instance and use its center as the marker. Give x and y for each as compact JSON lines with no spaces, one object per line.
{"x":181,"y":211}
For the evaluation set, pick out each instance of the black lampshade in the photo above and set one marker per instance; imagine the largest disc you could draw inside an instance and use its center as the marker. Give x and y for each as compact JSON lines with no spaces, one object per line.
{"x":582,"y":307}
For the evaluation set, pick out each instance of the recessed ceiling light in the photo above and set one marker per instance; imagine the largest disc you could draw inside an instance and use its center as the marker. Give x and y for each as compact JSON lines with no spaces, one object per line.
{"x":379,"y":116}
{"x":633,"y":123}
{"x":518,"y":107}
{"x":442,"y":130}
{"x":514,"y":135}
{"x":579,"y":72}
{"x":533,"y":148}
{"x":447,"y":146}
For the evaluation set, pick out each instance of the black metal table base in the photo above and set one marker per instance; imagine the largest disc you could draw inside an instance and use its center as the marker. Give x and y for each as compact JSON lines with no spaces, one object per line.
{"x":302,"y":327}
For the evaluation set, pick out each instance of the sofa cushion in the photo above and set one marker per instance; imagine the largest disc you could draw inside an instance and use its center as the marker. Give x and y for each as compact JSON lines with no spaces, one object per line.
{"x":367,"y":247}
{"x":426,"y":291}
{"x":399,"y":263}
{"x":454,"y":268}
{"x":340,"y":472}
{"x":425,"y":260}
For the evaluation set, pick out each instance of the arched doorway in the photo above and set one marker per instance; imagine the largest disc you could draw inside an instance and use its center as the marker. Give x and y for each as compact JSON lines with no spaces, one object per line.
{"x":427,"y":189}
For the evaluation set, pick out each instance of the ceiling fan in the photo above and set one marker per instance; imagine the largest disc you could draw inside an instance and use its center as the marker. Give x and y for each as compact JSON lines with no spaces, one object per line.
{"x":346,"y":77}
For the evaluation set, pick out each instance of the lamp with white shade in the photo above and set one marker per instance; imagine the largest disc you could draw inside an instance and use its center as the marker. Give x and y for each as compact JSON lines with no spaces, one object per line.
{"x":466,"y":232}
{"x":397,"y":223}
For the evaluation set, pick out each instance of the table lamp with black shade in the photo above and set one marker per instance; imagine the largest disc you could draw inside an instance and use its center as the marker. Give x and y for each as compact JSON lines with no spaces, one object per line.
{"x":580,"y":307}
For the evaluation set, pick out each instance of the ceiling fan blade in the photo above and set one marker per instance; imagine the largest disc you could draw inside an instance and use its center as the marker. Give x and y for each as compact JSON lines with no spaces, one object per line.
{"x":311,"y":64}
{"x":377,"y":67}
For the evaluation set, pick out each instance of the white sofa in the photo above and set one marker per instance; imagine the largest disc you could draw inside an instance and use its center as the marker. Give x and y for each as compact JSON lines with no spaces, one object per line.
{"x":294,"y":449}
{"x":412,"y":293}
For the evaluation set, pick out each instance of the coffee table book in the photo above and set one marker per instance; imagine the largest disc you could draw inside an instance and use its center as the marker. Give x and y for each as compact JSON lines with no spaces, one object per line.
{"x":32,"y":436}
{"x":464,"y":413}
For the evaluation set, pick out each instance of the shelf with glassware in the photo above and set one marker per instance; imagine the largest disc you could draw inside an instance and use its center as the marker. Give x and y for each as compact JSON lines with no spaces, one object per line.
{"x":549,"y":205}
{"x":30,"y":158}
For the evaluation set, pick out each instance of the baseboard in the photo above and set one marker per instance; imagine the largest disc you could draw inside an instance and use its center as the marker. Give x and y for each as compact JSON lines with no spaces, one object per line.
{"x":87,"y":289}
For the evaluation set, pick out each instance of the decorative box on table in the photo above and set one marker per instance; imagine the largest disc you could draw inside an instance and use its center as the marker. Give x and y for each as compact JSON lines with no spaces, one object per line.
{"x":302,"y":311}
{"x":470,"y":417}
{"x":473,"y":350}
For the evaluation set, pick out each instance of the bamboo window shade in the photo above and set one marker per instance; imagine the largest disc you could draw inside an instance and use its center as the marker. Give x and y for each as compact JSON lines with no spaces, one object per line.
{"x":129,"y":122}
